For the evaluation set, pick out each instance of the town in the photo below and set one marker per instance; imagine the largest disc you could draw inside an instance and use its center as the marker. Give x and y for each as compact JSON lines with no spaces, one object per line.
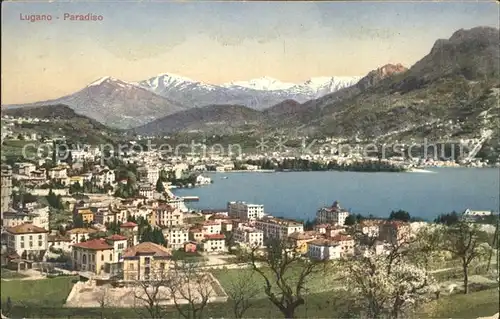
{"x":119,"y":226}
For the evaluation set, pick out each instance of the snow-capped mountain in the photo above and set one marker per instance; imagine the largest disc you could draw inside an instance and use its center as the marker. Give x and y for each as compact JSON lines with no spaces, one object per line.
{"x":258,"y":93}
{"x":262,"y":84}
{"x":130,"y":104}
{"x":116,"y":103}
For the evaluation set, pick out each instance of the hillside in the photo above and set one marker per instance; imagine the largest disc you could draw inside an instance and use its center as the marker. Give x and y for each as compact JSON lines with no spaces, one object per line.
{"x":116,"y":103}
{"x":218,"y":119}
{"x":64,"y":121}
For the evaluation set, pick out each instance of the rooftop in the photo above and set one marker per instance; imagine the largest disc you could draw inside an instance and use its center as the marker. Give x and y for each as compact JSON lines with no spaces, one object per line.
{"x":94,"y":244}
{"x":26,"y":228}
{"x":116,"y":237}
{"x":128,"y":225}
{"x":147,"y":248}
{"x":81,"y":231}
{"x":214,"y":236}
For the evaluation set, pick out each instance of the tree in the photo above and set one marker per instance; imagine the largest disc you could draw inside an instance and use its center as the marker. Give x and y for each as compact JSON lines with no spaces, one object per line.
{"x":350,"y":220}
{"x":387,"y":288}
{"x":400,"y":215}
{"x":286,"y":292}
{"x":466,"y":242}
{"x":448,"y":219}
{"x":191,"y":289}
{"x":242,"y":291}
{"x":159,"y":186}
{"x":104,"y":298}
{"x":77,"y":221}
{"x":148,"y":294}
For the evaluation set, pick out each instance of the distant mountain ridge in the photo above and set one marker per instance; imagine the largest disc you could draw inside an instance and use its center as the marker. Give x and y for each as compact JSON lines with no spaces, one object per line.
{"x":125,"y":105}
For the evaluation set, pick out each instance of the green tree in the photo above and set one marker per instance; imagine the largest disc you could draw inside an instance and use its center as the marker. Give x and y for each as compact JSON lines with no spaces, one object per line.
{"x":159,"y":186}
{"x":467,"y":243}
{"x":400,"y":215}
{"x":350,"y":220}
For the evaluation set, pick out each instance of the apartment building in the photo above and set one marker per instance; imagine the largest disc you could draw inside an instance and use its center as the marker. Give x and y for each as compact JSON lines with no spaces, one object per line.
{"x":176,"y":237}
{"x":119,"y":244}
{"x":211,"y":227}
{"x":196,"y":234}
{"x":245,"y":211}
{"x":27,"y":241}
{"x":249,"y":236}
{"x":278,"y":228}
{"x":148,"y":174}
{"x":146,"y":261}
{"x":332,"y":215}
{"x":166,"y":216}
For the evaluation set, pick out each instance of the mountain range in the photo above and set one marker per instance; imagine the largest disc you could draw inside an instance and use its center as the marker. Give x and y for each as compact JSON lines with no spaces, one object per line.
{"x":122,"y":104}
{"x":451,"y":94}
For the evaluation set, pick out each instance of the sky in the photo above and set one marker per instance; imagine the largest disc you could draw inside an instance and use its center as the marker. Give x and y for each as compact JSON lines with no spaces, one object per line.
{"x":217,"y":42}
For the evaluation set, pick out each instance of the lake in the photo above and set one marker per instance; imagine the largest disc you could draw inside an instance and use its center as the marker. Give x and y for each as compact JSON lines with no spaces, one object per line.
{"x":299,"y":194}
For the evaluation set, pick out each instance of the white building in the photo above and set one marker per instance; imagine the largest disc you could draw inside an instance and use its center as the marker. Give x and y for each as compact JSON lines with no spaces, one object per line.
{"x":175,"y":237}
{"x":28,"y":241}
{"x":78,"y":235}
{"x":323,"y":249}
{"x":245,"y":211}
{"x":277,"y":228}
{"x":106,"y":176}
{"x":249,"y":236}
{"x":211,"y":227}
{"x":146,"y":190}
{"x":148,"y":174}
{"x":202,"y":180}
{"x":332,"y":215}
{"x":214,"y":243}
{"x":24,"y":168}
{"x":59,"y":242}
{"x":167,"y":216}
{"x":119,"y":244}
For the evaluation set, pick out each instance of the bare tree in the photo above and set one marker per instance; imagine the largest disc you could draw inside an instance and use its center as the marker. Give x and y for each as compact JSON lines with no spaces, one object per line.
{"x":105,"y":299}
{"x":465,"y":242}
{"x":282,"y":286}
{"x":150,"y":294}
{"x":191,"y":289}
{"x":242,"y":291}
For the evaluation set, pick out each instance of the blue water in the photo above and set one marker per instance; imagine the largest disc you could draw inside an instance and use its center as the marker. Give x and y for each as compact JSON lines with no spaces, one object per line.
{"x":300,"y":194}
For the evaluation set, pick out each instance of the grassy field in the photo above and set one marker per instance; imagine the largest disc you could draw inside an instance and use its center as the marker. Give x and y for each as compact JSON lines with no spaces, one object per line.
{"x":43,"y":293}
{"x":323,"y":280}
{"x":9,"y":274}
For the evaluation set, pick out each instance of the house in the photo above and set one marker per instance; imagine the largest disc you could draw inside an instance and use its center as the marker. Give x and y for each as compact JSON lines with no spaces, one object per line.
{"x":57,"y":241}
{"x":321,"y":228}
{"x":332,"y":215}
{"x":278,"y":228}
{"x":211,"y":227}
{"x":394,"y":232}
{"x":91,"y":255}
{"x":146,"y":261}
{"x":196,"y":234}
{"x":249,"y":236}
{"x":299,"y":240}
{"x":58,"y":173}
{"x":334,"y":230}
{"x":131,"y":231}
{"x":28,"y":241}
{"x":119,"y":244}
{"x":370,"y":228}
{"x":24,"y":168}
{"x":78,"y":235}
{"x":346,"y":244}
{"x":323,"y":249}
{"x":190,"y":247}
{"x":202,"y":180}
{"x":175,"y":237}
{"x":86,"y":214}
{"x":214,"y":243}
